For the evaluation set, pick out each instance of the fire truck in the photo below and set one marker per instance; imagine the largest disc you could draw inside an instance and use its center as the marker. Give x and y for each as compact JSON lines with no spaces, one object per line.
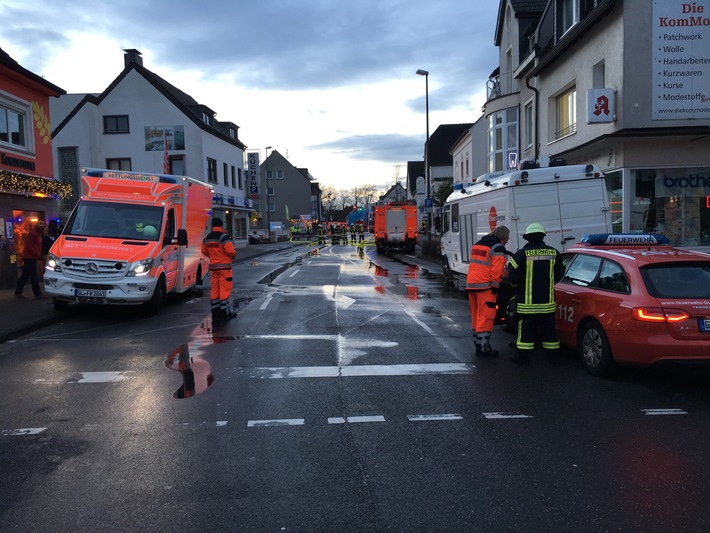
{"x":132,"y":238}
{"x":396,"y":226}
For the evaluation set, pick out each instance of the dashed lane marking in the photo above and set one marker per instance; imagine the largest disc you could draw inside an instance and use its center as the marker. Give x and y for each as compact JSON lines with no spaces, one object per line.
{"x":355,"y":419}
{"x":276,"y":422}
{"x":498,"y":416}
{"x":661,"y":412}
{"x":102,"y":377}
{"x":21,"y":431}
{"x":422,"y":418}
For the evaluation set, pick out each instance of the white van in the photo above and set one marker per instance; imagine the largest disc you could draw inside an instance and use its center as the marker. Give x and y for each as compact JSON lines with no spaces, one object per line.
{"x":569,"y":201}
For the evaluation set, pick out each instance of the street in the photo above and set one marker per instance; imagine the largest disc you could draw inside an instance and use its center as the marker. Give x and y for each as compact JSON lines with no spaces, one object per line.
{"x":345,"y":396}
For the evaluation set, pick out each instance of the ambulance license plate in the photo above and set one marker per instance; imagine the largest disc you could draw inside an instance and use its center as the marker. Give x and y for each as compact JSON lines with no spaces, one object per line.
{"x":89,"y":293}
{"x":704,"y":325}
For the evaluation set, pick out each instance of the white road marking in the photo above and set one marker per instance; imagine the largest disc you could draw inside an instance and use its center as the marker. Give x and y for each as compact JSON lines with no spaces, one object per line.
{"x":102,"y":377}
{"x":656,"y":412}
{"x":420,"y":418}
{"x":21,"y":431}
{"x":496,"y":416}
{"x":355,"y":419}
{"x":343,"y":302}
{"x":294,"y":272}
{"x":276,"y":422}
{"x":266,"y":302}
{"x":357,"y":370}
{"x":221,"y":423}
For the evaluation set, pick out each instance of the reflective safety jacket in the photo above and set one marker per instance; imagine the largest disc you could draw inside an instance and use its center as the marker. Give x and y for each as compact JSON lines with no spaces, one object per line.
{"x":486,"y":265}
{"x":219,"y":248}
{"x":535,"y":269}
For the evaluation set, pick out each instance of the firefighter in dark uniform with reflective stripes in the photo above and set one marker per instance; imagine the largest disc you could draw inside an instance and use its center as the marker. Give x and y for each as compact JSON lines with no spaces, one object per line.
{"x":534,"y":270}
{"x":219,"y":248}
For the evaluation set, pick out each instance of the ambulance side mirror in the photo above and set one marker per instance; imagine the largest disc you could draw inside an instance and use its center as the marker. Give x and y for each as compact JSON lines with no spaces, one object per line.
{"x":182,"y":237}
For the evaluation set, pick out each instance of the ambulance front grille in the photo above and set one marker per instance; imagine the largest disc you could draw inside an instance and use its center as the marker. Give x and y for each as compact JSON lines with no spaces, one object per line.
{"x":93,"y":269}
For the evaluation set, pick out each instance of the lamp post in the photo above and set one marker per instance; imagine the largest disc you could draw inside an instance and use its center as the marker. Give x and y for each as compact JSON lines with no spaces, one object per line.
{"x":266,"y":177}
{"x":425,"y":73}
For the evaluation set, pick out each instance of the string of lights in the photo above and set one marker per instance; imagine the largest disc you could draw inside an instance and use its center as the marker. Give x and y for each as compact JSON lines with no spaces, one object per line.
{"x":33,"y":185}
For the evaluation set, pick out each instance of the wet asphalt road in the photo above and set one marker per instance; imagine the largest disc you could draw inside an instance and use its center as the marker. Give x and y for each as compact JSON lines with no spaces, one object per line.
{"x":344,"y":397}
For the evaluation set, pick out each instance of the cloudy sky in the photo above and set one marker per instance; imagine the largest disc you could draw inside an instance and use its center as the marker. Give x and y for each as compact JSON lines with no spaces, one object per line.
{"x":331,"y":84}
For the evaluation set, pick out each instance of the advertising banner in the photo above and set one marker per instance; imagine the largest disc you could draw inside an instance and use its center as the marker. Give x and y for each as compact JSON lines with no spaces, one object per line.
{"x":681,"y":60}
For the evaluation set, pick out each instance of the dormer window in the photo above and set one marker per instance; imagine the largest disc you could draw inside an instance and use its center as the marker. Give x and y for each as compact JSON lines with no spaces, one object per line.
{"x":567,"y":14}
{"x":206,"y":118}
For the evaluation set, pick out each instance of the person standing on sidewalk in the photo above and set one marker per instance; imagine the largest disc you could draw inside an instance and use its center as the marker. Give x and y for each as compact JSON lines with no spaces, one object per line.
{"x":31,"y":256}
{"x":485,"y":273}
{"x":219,"y":248}
{"x":534,"y":270}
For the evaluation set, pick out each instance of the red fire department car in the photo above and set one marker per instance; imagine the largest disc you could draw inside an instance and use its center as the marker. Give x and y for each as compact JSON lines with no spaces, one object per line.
{"x":634,"y":300}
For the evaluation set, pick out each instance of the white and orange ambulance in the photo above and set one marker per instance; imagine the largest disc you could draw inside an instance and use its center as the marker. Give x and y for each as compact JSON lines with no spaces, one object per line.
{"x":132,"y":238}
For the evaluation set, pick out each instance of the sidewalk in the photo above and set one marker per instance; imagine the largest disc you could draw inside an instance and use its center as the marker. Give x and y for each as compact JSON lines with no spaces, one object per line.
{"x":23,"y":316}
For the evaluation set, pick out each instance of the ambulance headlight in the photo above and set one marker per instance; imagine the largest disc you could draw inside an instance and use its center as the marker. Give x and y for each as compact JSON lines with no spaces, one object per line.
{"x":53,"y":263}
{"x":140,"y":268}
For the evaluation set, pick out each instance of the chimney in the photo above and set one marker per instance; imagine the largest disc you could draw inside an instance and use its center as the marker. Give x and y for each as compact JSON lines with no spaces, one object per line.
{"x":132,"y":56}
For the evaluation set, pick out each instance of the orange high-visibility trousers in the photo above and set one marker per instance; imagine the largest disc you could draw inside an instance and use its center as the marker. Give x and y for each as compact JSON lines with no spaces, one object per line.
{"x":221,"y":288}
{"x":482,"y":305}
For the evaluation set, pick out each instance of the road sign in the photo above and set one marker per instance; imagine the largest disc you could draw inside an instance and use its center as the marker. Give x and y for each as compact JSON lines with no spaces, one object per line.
{"x":428,"y":202}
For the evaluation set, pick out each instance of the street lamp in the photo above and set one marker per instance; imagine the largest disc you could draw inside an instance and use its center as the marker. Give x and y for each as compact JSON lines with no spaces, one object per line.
{"x":268,"y":214}
{"x":425,"y":73}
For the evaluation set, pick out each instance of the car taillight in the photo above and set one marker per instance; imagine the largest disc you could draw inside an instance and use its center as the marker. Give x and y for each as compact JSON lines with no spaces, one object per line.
{"x":657,"y":314}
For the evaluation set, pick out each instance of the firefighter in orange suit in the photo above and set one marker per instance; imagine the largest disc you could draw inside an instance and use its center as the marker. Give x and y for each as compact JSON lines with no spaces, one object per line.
{"x":485,"y":273}
{"x":218,"y":247}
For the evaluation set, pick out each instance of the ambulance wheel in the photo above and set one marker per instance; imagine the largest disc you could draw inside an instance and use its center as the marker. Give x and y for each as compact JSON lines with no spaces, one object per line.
{"x":197,"y":287}
{"x":446,"y":270}
{"x":153,"y":305}
{"x":60,"y":305}
{"x":595,"y":350}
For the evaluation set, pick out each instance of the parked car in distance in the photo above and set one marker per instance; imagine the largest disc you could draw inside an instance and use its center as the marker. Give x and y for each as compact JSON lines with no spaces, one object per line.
{"x":255,"y":238}
{"x":634,"y":300}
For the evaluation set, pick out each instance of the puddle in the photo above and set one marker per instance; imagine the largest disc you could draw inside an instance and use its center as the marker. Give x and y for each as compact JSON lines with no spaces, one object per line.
{"x":188,"y":358}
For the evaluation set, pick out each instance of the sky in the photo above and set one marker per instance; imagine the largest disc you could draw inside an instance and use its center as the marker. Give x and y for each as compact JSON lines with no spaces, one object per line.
{"x":330,"y":84}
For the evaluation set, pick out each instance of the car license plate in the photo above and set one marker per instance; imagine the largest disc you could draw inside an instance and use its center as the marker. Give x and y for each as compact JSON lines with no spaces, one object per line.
{"x":704,"y":325}
{"x":89,"y":293}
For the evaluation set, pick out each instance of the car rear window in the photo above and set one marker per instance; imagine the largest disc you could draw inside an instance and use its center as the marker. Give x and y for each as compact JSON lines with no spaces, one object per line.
{"x":679,"y":280}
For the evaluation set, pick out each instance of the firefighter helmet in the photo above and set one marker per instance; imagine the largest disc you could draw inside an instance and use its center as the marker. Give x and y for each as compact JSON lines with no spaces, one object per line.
{"x":535,"y":227}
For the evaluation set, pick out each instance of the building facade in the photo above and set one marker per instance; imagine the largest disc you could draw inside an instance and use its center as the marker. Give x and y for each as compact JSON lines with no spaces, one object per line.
{"x":29,"y":194}
{"x":289,"y":197}
{"x":622,"y":84}
{"x":141,"y":122}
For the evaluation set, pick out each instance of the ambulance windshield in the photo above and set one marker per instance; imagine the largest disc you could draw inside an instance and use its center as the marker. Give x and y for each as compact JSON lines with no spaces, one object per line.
{"x":115,"y":220}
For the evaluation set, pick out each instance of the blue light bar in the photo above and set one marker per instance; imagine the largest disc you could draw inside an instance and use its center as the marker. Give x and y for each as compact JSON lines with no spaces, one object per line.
{"x":625,"y":239}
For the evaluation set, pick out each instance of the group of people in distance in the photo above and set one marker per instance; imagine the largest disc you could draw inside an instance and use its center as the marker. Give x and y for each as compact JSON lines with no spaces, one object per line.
{"x":533,"y":271}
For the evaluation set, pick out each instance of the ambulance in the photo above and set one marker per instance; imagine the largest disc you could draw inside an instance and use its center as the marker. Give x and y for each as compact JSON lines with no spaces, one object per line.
{"x":569,"y":201}
{"x":131,"y":239}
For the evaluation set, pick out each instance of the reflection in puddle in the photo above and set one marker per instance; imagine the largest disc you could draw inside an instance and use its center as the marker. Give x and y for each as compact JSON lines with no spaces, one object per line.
{"x":188,"y":358}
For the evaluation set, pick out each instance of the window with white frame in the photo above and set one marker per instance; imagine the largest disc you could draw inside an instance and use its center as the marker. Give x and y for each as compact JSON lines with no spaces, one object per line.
{"x":279,"y":174}
{"x":15,"y":124}
{"x":567,"y":14}
{"x":502,"y":138}
{"x":566,"y":108}
{"x":529,"y":125}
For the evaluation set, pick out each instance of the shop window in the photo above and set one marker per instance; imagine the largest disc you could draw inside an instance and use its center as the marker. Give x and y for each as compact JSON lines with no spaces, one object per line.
{"x":672,"y":201}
